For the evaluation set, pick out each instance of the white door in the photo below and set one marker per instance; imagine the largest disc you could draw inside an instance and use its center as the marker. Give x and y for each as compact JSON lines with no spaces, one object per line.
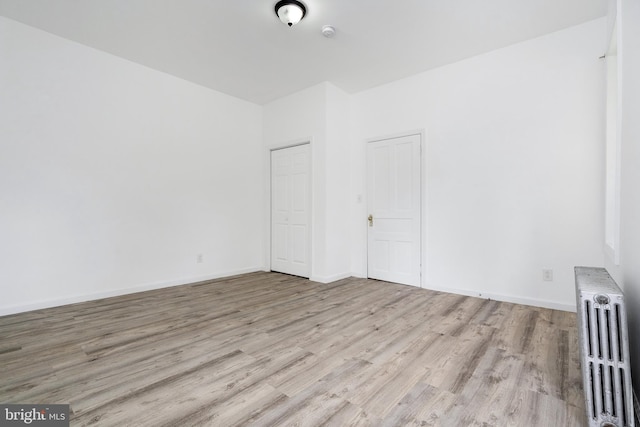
{"x":393,"y":194}
{"x":291,"y":210}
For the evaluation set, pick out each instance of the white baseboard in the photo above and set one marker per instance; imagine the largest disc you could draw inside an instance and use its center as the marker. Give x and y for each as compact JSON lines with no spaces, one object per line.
{"x":329,"y":279}
{"x":505,"y":298}
{"x":497,"y":297}
{"x":7,"y":310}
{"x":21,"y":308}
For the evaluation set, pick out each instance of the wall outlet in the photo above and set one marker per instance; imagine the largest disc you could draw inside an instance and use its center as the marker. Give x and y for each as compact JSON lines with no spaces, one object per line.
{"x":547,"y":275}
{"x":199,"y":258}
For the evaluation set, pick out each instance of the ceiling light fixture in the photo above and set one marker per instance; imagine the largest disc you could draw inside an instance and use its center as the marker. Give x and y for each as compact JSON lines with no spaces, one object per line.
{"x":290,"y":12}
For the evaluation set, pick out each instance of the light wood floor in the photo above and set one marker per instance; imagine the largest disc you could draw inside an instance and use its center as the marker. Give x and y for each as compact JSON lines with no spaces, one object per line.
{"x":270,"y":349}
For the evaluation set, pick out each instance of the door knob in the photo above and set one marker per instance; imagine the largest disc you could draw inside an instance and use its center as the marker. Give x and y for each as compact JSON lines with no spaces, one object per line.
{"x":370,"y":218}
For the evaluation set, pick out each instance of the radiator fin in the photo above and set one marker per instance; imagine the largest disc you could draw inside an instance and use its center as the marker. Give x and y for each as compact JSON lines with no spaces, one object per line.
{"x":604,"y":349}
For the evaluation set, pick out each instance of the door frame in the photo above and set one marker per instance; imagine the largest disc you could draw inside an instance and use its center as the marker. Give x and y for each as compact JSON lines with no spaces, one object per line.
{"x":267,"y":200}
{"x":423,"y":200}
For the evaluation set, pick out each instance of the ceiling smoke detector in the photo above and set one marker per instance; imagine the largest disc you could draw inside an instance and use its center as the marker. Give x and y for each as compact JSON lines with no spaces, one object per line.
{"x":328,"y":31}
{"x":290,"y":12}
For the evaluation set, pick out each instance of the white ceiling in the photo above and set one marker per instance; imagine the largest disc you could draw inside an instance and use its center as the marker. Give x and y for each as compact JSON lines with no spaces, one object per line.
{"x":239,"y":47}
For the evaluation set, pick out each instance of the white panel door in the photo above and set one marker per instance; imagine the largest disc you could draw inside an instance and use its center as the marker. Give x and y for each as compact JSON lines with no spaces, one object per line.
{"x":291,"y":210}
{"x":393,"y":194}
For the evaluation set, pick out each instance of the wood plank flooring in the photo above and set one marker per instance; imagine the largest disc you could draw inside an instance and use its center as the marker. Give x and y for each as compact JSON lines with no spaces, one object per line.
{"x":267,"y":349}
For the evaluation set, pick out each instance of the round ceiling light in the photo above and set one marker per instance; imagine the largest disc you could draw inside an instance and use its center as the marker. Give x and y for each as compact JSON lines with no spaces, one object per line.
{"x":290,"y":12}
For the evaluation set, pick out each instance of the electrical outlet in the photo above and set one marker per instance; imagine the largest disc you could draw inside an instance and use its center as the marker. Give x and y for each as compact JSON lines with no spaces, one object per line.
{"x":547,"y":275}
{"x":199,"y":258}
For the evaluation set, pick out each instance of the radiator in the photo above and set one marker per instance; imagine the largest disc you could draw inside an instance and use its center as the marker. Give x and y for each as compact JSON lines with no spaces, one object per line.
{"x":604,"y":349}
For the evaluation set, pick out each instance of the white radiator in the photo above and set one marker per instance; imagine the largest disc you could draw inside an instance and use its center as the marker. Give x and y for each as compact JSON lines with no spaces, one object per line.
{"x":604,"y":349}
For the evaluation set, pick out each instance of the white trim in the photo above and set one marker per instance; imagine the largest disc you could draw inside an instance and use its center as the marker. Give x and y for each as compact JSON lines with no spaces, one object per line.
{"x":268,"y":223}
{"x":266,"y":262}
{"x":612,"y":254}
{"x":636,"y":407}
{"x":329,"y":279}
{"x":613,"y":157}
{"x":535,"y":302}
{"x":395,"y":135}
{"x":21,"y":308}
{"x":497,"y":297}
{"x":289,"y":144}
{"x":422,"y":133}
{"x":424,"y":207}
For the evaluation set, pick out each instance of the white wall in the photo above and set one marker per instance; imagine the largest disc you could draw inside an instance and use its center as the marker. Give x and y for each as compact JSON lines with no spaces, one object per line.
{"x":627,"y":274}
{"x":338,"y":176}
{"x":319,"y":114}
{"x":294,"y":119}
{"x":113,"y":177}
{"x":514,"y":169}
